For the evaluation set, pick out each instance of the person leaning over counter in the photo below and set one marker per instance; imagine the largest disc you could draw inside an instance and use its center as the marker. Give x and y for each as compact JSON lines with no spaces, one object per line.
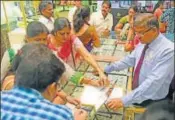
{"x":37,"y":32}
{"x":46,"y":10}
{"x":30,"y":98}
{"x":153,"y":60}
{"x":103,"y":20}
{"x":70,"y":49}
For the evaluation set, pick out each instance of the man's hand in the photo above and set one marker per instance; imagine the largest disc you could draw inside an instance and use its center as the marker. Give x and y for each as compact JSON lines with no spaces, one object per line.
{"x":106,"y":33}
{"x":73,"y":101}
{"x":80,"y":114}
{"x":115,"y":104}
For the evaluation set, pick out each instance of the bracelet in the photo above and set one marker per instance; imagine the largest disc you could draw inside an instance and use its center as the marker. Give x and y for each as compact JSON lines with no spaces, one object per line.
{"x":77,"y":78}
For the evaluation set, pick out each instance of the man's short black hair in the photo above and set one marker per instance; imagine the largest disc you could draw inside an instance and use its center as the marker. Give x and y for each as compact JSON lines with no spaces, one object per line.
{"x":107,"y":2}
{"x":43,"y":4}
{"x":36,"y":67}
{"x":163,"y":110}
{"x":146,"y":20}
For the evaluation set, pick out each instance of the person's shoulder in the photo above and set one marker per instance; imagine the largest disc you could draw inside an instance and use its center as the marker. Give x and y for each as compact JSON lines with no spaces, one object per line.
{"x":110,"y":15}
{"x":166,"y":47}
{"x":91,"y":28}
{"x":42,"y":19}
{"x":94,"y":14}
{"x":55,"y":110}
{"x":123,"y":20}
{"x":167,"y":43}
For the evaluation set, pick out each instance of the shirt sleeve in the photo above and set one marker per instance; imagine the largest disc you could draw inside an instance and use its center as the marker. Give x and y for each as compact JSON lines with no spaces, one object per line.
{"x":123,"y":20}
{"x":110,"y":22}
{"x":153,"y":82}
{"x":128,"y":61}
{"x":77,"y":43}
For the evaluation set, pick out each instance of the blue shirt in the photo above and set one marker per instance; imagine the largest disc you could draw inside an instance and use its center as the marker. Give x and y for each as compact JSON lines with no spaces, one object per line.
{"x":28,"y":104}
{"x":156,"y":72}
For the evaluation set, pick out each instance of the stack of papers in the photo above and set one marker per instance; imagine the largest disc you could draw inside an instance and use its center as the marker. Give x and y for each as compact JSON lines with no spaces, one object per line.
{"x":96,"y":97}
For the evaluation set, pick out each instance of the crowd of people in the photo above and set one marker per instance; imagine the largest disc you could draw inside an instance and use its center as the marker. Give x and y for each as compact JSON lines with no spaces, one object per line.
{"x":32,"y":75}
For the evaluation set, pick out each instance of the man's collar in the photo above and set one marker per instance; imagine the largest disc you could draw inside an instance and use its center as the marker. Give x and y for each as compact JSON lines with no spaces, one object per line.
{"x":101,"y":15}
{"x":155,"y":41}
{"x":31,"y":93}
{"x":46,"y":19}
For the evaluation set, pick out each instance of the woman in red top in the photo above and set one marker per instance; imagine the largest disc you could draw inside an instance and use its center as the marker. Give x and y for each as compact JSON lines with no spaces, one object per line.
{"x":70,"y":49}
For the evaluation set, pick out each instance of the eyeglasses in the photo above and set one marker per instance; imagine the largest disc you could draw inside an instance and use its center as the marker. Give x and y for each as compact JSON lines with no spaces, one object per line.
{"x":142,"y":33}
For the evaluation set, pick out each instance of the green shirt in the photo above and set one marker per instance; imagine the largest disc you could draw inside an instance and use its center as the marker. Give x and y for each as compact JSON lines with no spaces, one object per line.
{"x":124,"y":20}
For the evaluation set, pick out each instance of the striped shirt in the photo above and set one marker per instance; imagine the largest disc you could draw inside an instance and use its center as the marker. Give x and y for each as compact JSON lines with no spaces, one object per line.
{"x":28,"y":104}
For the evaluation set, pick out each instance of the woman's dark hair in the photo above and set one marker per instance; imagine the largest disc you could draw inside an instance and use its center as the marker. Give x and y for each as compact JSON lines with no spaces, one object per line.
{"x":79,"y":17}
{"x":134,"y":8}
{"x":160,"y":2}
{"x":36,"y":67}
{"x":35,"y":28}
{"x":60,"y":23}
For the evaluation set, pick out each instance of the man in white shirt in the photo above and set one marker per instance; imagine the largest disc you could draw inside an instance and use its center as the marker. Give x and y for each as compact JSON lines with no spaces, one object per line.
{"x":71,"y":13}
{"x":46,"y":10}
{"x":103,"y":20}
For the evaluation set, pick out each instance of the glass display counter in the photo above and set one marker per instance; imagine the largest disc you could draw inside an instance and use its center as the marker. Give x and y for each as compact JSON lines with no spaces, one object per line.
{"x":120,"y":79}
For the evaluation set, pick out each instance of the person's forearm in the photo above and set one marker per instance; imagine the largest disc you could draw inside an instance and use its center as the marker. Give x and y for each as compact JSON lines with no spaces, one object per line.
{"x":118,"y":31}
{"x":87,"y":57}
{"x":130,"y":34}
{"x":62,"y":94}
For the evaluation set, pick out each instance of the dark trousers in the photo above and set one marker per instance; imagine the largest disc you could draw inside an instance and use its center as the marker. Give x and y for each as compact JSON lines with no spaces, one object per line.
{"x":148,"y":102}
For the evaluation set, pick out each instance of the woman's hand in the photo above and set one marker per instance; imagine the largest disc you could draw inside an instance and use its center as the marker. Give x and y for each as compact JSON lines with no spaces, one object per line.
{"x":103,"y":80}
{"x":80,"y":114}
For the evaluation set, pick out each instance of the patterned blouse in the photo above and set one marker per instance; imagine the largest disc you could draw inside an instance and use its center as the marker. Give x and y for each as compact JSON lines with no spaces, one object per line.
{"x":168,"y":16}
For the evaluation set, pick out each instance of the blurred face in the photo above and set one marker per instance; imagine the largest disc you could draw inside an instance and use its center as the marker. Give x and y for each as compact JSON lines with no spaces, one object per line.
{"x":145,"y":34}
{"x":105,"y":9}
{"x":161,"y":6}
{"x":78,"y":3}
{"x":48,"y":11}
{"x":131,"y":12}
{"x":41,"y":38}
{"x":62,"y":35}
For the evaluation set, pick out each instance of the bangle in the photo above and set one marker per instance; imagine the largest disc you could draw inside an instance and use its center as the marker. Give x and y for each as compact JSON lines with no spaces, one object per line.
{"x":77,"y":78}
